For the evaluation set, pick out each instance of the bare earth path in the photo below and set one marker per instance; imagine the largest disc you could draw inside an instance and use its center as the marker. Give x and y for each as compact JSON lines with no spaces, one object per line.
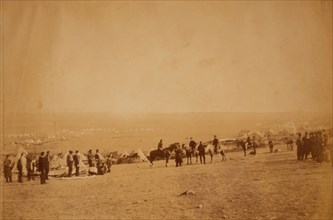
{"x":267,"y":186}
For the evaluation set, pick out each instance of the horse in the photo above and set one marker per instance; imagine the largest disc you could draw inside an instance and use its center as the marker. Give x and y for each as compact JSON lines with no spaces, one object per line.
{"x":242,"y":144}
{"x":164,"y":153}
{"x":290,"y":144}
{"x":212,"y":150}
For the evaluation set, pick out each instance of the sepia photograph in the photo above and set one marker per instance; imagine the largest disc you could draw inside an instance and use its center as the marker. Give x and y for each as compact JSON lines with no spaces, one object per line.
{"x":166,"y":110}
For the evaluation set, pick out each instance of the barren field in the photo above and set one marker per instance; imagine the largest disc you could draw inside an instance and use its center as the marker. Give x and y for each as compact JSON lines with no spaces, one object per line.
{"x":267,"y":186}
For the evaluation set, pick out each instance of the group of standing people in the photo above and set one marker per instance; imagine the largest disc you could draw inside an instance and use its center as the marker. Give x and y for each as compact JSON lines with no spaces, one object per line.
{"x":26,"y":164}
{"x":96,"y":163}
{"x":314,"y":143}
{"x":192,"y":150}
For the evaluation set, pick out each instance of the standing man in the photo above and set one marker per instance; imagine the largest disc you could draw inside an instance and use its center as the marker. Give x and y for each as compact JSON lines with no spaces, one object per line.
{"x":19,"y":167}
{"x":179,"y":156}
{"x":201,"y":149}
{"x":90,"y":158}
{"x":109,"y":163}
{"x":192,"y":145}
{"x":306,"y":146}
{"x":299,"y":145}
{"x":42,"y":167}
{"x":30,"y":168}
{"x":76,"y":159}
{"x":270,"y":144}
{"x":47,"y":164}
{"x":97,"y":158}
{"x":215,"y":144}
{"x":254,"y":144}
{"x":70,"y":163}
{"x":7,"y":169}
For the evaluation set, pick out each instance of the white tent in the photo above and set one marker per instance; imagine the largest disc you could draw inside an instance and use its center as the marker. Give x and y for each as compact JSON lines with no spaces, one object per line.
{"x":125,"y":154}
{"x":24,"y":160}
{"x":141,"y":155}
{"x":57,"y":163}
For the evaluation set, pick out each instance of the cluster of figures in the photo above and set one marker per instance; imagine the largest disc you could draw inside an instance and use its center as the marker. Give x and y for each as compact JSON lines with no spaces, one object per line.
{"x":314,"y":143}
{"x":96,"y":163}
{"x":191,"y":150}
{"x":27,"y":163}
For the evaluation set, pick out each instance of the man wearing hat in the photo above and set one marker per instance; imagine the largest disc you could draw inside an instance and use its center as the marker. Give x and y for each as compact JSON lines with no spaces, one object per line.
{"x":76,"y":159}
{"x":90,"y":158}
{"x":70,"y":163}
{"x":215,"y":144}
{"x":42,"y":167}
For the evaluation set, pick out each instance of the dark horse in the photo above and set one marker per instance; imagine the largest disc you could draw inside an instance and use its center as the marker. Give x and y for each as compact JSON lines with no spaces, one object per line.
{"x":164,"y":153}
{"x":242,"y":144}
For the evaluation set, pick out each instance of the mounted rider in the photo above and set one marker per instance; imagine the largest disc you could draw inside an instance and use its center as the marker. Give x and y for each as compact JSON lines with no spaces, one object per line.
{"x":215,"y":144}
{"x":160,"y":145}
{"x":192,"y":145}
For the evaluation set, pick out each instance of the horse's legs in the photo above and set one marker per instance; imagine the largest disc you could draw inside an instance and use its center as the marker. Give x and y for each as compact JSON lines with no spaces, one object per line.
{"x":166,"y":161}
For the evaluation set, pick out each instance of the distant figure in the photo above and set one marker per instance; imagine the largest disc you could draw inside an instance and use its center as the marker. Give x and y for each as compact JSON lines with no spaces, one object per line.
{"x":201,"y":149}
{"x":254,"y":144}
{"x":90,"y":158}
{"x":97,"y":155}
{"x":192,"y":145}
{"x":270,"y":144}
{"x":70,"y":163}
{"x":160,"y":145}
{"x":30,"y":168}
{"x":19,"y":167}
{"x":215,"y":144}
{"x":42,"y":167}
{"x":299,"y":145}
{"x":109,"y":163}
{"x":47,"y":164}
{"x":179,"y":156}
{"x":7,"y":169}
{"x":306,"y":146}
{"x":76,"y":159}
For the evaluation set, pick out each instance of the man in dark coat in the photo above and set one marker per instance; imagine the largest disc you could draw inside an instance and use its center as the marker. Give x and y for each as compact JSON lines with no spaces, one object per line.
{"x":90,"y":158}
{"x":160,"y":145}
{"x":7,"y":169}
{"x":215,"y":144}
{"x":270,"y":144}
{"x":306,"y":146}
{"x":97,"y":155}
{"x":299,"y":144}
{"x":179,"y":156}
{"x":70,"y":163}
{"x":47,"y":164}
{"x":201,"y":149}
{"x":42,"y":167}
{"x":19,"y":167}
{"x":76,"y":159}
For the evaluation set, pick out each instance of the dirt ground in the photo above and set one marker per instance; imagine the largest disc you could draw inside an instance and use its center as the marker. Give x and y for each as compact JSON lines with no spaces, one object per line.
{"x":267,"y":186}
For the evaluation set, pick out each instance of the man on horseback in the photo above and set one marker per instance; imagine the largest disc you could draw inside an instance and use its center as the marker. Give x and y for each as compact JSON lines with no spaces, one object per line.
{"x":215,"y":144}
{"x":160,"y":145}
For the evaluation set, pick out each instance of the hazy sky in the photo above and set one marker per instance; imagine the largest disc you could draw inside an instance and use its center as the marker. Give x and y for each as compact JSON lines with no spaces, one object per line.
{"x":167,"y":56}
